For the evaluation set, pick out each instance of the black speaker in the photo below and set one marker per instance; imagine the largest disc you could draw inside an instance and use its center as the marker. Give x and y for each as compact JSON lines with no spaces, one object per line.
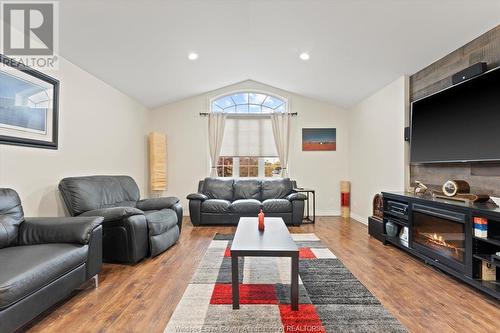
{"x":469,"y":72}
{"x":376,"y":228}
{"x":407,"y":134}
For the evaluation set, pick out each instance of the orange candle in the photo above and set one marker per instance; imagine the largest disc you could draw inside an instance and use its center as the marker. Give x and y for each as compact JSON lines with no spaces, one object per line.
{"x":261,"y":221}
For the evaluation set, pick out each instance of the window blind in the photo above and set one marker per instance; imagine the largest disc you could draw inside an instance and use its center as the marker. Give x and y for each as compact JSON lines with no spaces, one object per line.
{"x":248,"y":136}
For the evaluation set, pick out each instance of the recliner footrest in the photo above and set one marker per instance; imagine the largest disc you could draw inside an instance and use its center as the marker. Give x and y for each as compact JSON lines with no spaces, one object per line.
{"x":160,"y":221}
{"x":160,"y":243}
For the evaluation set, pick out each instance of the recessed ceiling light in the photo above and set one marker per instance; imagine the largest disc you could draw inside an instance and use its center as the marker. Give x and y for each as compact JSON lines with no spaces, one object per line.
{"x":304,"y":56}
{"x":192,"y":56}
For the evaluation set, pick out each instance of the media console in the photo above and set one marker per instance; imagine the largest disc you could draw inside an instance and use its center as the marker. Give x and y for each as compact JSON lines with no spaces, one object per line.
{"x":441,"y":232}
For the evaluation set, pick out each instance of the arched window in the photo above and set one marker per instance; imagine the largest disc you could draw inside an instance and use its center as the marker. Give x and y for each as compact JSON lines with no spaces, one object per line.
{"x":249,"y":103}
{"x":248,"y":147}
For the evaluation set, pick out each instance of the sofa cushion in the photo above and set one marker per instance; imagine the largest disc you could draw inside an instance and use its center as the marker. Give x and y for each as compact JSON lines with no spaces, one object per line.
{"x":26,"y":269}
{"x":246,"y":206}
{"x":159,"y":221}
{"x":215,"y":206}
{"x":247,"y":189}
{"x":276,"y":188}
{"x":277,"y":206}
{"x":218,"y":188}
{"x":11,"y":216}
{"x":82,"y":194}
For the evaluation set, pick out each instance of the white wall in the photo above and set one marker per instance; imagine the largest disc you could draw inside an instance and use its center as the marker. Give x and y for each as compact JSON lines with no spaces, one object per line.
{"x":377,"y":148}
{"x":101,"y":131}
{"x":188,"y":160}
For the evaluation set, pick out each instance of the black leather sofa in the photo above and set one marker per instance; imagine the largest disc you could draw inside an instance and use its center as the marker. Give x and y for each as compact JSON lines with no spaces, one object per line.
{"x":225,"y":200}
{"x":42,"y":260}
{"x":132,"y":228}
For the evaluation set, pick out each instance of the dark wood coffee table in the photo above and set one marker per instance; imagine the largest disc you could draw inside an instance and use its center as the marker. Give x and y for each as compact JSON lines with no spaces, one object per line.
{"x":275,"y":241}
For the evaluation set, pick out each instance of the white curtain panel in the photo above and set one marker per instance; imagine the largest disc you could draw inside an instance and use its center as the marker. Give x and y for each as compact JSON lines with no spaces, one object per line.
{"x":248,"y":136}
{"x":281,"y":132}
{"x":216,"y":124}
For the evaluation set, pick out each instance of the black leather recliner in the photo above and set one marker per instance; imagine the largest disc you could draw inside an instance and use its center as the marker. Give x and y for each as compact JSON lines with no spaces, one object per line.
{"x":42,"y":260}
{"x":225,"y":200}
{"x":132,"y":228}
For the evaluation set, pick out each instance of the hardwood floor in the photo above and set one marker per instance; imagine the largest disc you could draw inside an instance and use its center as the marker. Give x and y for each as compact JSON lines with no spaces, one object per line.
{"x":141,"y":298}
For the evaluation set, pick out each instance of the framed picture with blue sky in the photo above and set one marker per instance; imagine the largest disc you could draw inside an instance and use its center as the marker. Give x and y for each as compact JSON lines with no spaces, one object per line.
{"x":319,"y":139}
{"x":28,"y":106}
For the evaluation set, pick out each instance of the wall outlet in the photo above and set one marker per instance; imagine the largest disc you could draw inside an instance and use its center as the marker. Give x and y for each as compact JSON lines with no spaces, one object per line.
{"x":495,"y":200}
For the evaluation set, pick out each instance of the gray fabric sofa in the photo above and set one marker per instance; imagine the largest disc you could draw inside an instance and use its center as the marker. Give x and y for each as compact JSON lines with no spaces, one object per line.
{"x":225,"y":200}
{"x":42,"y":260}
{"x":132,"y":228}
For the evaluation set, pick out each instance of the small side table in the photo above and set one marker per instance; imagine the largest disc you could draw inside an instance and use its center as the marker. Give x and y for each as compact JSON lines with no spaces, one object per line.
{"x":309,"y":192}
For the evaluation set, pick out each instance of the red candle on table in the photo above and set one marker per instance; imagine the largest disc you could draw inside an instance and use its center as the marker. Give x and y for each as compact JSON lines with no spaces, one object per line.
{"x":261,"y":220}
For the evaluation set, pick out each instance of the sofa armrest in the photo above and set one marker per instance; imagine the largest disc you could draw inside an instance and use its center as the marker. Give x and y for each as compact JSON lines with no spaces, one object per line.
{"x":177,"y":208}
{"x":296,"y":196}
{"x":297,"y":211}
{"x":195,"y":211}
{"x":94,"y":258}
{"x":157,"y":203}
{"x":197,"y":196}
{"x":42,"y":230}
{"x":113,"y":213}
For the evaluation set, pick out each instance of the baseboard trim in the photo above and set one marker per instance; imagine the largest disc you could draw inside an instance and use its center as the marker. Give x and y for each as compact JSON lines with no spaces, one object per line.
{"x":328,"y":213}
{"x":359,"y":218}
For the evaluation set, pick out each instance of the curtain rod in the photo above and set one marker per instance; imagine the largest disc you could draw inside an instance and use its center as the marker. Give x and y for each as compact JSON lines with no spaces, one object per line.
{"x":205,"y":114}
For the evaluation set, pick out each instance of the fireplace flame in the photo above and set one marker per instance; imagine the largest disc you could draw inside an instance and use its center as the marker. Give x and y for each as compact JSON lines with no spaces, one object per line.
{"x":439,"y":240}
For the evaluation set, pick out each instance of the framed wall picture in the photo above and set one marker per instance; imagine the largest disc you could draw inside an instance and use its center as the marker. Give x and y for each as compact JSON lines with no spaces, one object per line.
{"x":319,"y":139}
{"x":29,"y":103}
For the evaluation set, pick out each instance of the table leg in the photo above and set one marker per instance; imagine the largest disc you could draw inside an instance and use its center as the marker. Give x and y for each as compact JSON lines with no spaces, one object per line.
{"x":314,"y":207}
{"x":308,"y":202}
{"x":235,"y":282}
{"x":295,"y":282}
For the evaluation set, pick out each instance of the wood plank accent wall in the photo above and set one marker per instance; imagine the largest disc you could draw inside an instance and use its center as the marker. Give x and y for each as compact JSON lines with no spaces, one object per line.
{"x":483,"y":177}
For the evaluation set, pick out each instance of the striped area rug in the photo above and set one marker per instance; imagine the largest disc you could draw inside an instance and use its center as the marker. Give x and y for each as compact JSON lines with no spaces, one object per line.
{"x":331,"y":298}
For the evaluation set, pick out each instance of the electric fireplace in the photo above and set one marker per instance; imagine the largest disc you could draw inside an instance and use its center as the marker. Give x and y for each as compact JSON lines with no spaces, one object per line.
{"x":440,"y":235}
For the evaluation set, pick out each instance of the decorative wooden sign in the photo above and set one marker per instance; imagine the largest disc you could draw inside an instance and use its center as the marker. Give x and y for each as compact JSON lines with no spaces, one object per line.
{"x":158,"y":161}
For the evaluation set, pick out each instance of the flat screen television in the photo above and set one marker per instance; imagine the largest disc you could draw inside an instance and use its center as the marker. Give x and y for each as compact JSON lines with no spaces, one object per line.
{"x":458,"y":124}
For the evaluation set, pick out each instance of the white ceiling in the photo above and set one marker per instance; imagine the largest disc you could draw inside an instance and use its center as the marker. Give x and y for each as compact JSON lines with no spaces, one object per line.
{"x":356,"y":46}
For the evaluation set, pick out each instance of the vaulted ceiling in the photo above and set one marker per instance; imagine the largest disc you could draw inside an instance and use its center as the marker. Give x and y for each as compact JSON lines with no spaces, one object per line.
{"x":355,"y":46}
